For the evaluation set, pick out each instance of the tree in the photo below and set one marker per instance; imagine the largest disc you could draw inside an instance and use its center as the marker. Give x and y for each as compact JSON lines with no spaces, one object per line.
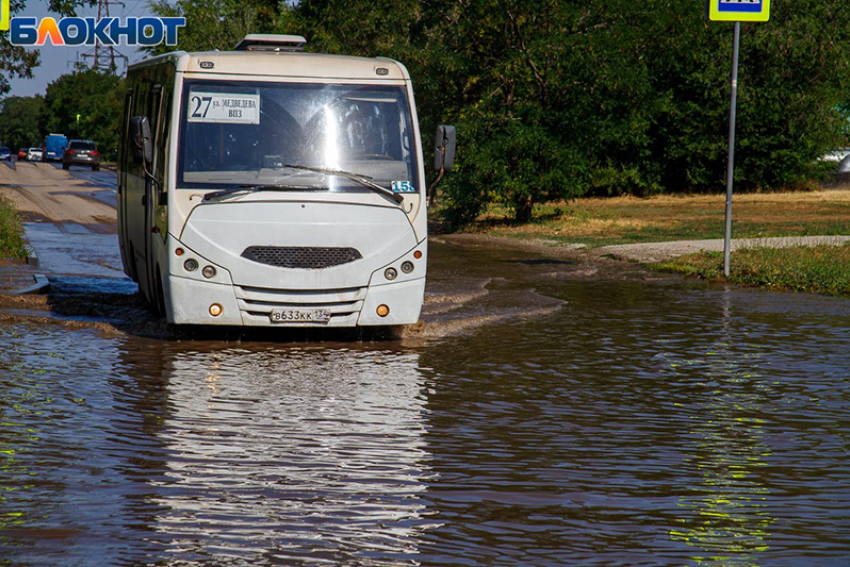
{"x":19,"y":121}
{"x":69,"y":7}
{"x":213,"y":24}
{"x":555,"y":93}
{"x":538,"y":90}
{"x":794,"y":74}
{"x":15,"y":61}
{"x":554,"y":99}
{"x":96,"y":97}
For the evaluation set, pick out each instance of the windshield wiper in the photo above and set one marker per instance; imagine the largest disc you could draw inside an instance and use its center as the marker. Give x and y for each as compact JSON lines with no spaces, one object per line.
{"x":261,"y":187}
{"x":363,"y":180}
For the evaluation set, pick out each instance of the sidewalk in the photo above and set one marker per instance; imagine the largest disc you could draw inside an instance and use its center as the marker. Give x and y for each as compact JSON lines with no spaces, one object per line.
{"x":69,"y":222}
{"x":17,"y":277}
{"x":655,"y":252}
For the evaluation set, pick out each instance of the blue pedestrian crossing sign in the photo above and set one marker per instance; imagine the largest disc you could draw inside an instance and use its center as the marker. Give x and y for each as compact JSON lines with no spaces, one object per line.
{"x":737,"y":10}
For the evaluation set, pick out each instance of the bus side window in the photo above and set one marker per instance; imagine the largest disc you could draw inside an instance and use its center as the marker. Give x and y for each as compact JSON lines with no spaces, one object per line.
{"x":162,"y":143}
{"x":155,"y":118}
{"x":123,"y":150}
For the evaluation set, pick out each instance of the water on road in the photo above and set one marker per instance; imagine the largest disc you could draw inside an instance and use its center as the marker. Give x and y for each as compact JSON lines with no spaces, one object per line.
{"x":631,"y":421}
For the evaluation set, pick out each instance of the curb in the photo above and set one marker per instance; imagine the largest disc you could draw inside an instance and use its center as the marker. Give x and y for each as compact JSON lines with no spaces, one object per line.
{"x":32,"y":257}
{"x":40,"y":286}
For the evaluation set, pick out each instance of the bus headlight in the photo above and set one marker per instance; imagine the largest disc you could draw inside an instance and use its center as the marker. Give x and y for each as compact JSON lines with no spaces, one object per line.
{"x":191,"y":265}
{"x":208,"y":272}
{"x":390,"y":273}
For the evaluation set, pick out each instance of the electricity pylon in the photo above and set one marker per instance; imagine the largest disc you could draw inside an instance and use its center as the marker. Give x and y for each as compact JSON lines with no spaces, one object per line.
{"x":104,"y":56}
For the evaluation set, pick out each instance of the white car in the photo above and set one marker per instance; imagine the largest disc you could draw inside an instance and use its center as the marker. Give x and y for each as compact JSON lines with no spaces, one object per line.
{"x":35,"y":154}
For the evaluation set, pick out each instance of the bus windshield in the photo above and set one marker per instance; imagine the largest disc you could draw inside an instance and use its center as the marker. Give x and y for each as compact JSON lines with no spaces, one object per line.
{"x":239,"y":133}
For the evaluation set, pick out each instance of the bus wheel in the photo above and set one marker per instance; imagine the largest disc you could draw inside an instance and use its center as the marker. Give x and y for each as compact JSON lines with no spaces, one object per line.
{"x":131,"y":263}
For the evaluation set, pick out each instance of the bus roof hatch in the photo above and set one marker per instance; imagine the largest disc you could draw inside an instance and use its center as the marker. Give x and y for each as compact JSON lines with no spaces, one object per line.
{"x":271,"y":42}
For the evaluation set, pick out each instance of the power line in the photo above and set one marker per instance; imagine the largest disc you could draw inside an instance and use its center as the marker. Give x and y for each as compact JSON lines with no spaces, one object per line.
{"x":104,"y":56}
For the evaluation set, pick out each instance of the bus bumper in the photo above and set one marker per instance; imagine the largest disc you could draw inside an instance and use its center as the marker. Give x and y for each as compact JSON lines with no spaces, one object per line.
{"x":201,"y":303}
{"x":402,"y":300}
{"x":393,"y":296}
{"x":195,"y":302}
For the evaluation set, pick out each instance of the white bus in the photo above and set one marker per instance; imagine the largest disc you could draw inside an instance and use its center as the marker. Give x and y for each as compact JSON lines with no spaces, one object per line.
{"x":266,"y":186}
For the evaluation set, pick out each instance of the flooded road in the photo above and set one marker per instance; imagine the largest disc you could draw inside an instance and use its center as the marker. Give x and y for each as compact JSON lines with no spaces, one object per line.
{"x":548,"y":413}
{"x":641,"y":423}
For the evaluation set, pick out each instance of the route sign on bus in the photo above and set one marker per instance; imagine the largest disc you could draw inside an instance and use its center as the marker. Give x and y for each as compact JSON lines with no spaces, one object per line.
{"x":737,"y":10}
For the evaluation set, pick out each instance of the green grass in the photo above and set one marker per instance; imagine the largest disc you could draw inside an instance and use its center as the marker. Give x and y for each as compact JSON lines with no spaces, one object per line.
{"x":815,"y":269}
{"x":598,"y":222}
{"x":11,"y":233}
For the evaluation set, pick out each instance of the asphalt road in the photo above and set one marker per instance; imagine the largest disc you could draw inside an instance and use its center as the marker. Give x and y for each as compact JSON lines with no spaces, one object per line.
{"x":105,"y":178}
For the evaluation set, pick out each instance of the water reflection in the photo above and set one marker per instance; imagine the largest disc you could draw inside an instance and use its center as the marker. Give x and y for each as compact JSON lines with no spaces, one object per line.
{"x":727,"y":520}
{"x":295,"y":456}
{"x":652,"y":425}
{"x":67,"y":486}
{"x":137,"y":452}
{"x":641,"y":423}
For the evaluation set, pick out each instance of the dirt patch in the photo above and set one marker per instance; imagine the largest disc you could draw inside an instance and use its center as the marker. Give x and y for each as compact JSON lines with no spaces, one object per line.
{"x":586,"y":263}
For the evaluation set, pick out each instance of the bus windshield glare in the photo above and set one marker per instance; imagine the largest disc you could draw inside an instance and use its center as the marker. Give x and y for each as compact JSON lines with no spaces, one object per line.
{"x":248,"y":133}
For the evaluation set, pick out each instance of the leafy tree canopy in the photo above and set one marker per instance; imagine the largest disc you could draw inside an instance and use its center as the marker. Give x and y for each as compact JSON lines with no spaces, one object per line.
{"x":554,"y":99}
{"x":19,"y":121}
{"x":96,"y":97}
{"x":15,"y":61}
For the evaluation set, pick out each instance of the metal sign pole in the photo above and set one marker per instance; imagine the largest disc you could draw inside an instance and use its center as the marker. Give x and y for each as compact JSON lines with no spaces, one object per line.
{"x":730,"y":167}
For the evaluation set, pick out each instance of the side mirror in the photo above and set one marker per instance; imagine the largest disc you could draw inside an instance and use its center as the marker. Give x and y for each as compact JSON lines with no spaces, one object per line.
{"x":444,"y":148}
{"x":140,"y":140}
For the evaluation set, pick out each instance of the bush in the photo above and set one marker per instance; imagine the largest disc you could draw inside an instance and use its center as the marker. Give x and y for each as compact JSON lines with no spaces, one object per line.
{"x":11,"y":232}
{"x":514,"y":163}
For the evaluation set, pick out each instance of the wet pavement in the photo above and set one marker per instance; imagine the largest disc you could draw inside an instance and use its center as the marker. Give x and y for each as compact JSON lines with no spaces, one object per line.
{"x":104,"y":178}
{"x":71,"y":249}
{"x":548,"y":412}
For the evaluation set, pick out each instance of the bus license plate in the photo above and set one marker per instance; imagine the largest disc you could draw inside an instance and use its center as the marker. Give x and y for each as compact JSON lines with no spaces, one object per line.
{"x":300,"y":315}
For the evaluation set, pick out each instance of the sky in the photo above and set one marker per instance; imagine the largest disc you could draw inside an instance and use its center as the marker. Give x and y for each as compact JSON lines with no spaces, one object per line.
{"x":56,"y":61}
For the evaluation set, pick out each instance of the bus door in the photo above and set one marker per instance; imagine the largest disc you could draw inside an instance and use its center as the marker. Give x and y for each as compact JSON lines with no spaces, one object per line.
{"x":125,"y":159}
{"x":153,"y":195}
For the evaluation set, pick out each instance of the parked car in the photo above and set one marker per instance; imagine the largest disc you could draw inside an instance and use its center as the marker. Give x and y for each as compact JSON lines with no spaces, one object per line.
{"x":81,"y":152}
{"x":35,"y":154}
{"x":22,"y":154}
{"x":5,"y":154}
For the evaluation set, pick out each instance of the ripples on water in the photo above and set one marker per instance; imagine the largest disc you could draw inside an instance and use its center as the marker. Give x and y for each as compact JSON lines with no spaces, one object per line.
{"x":644,"y":424}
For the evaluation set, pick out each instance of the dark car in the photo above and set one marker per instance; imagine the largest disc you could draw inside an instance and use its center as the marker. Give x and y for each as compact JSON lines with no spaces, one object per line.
{"x":5,"y":154}
{"x":81,"y":152}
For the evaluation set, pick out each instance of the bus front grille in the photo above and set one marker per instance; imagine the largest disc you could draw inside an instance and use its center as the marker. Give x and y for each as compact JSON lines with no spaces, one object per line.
{"x":302,"y":257}
{"x":257,"y":304}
